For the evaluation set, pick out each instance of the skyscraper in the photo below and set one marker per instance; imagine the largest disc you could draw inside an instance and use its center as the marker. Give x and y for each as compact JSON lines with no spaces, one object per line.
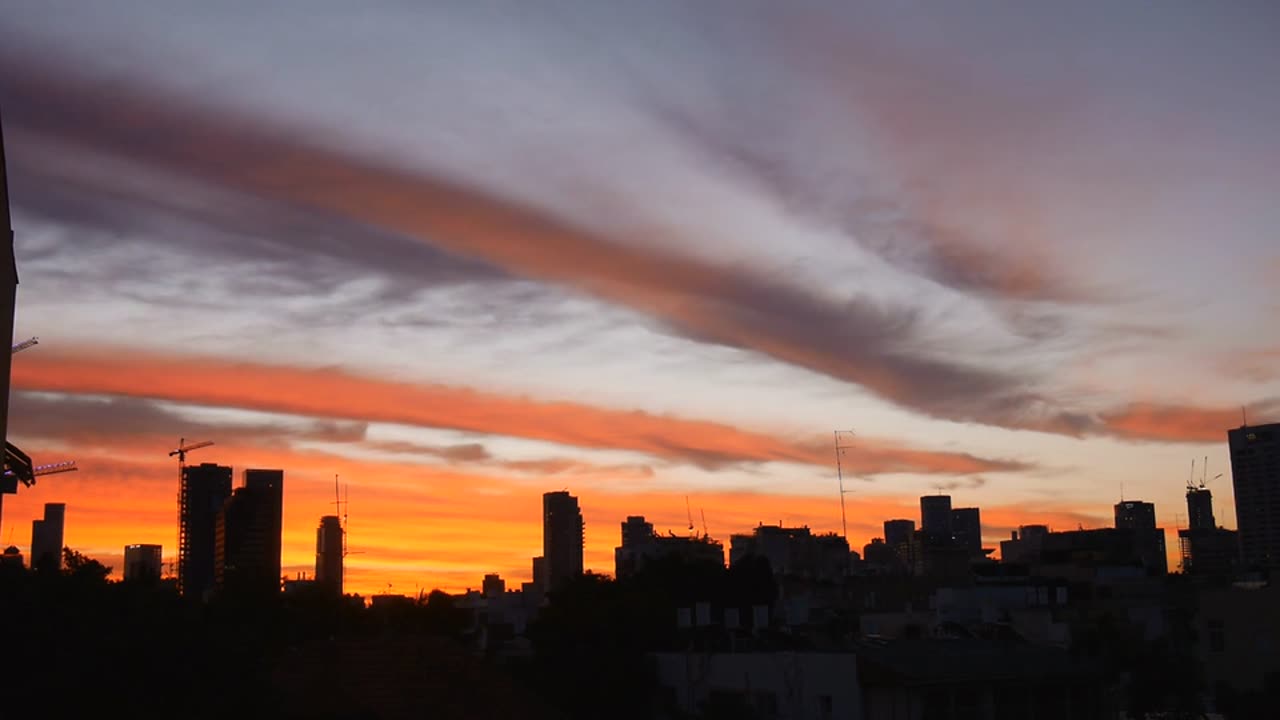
{"x":966,"y":528}
{"x":1206,"y":549}
{"x":1135,"y":515}
{"x":1255,"y":475}
{"x":935,"y":516}
{"x":1148,"y":540}
{"x":1200,"y":509}
{"x":142,"y":563}
{"x":329,"y":554}
{"x":562,"y":537}
{"x":248,"y":535}
{"x":204,"y":489}
{"x":46,"y":538}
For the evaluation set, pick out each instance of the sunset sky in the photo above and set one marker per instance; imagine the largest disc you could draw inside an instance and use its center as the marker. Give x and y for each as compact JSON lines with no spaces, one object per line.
{"x":463,"y":254}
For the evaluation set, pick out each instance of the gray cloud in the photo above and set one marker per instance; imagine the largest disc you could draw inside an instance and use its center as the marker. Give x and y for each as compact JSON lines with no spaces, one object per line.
{"x":478,"y":454}
{"x":102,"y":422}
{"x":884,"y":348}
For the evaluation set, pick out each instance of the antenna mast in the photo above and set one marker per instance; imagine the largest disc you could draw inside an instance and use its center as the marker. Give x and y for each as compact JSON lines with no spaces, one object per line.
{"x":844,"y":522}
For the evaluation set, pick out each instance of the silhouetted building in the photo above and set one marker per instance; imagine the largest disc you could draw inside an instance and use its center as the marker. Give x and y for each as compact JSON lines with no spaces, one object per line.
{"x":1135,"y":514}
{"x":248,"y":535}
{"x":329,"y":552}
{"x":900,"y":537}
{"x":12,"y":558}
{"x":640,"y":546}
{"x":203,"y":491}
{"x":941,"y":558}
{"x":636,"y":531}
{"x":1134,"y":547}
{"x":493,"y":586}
{"x":935,"y":516}
{"x":1255,"y":475}
{"x":142,"y":563}
{"x":879,"y":558}
{"x":1200,"y":509}
{"x":1024,"y":545}
{"x":540,"y":573}
{"x":966,"y":529}
{"x":562,"y":537}
{"x":794,"y":552}
{"x":1206,"y":550}
{"x":46,"y":538}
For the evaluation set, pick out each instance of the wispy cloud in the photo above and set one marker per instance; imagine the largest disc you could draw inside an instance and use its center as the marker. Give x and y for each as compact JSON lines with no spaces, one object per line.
{"x":337,"y":395}
{"x":883,"y":347}
{"x":1184,"y":423}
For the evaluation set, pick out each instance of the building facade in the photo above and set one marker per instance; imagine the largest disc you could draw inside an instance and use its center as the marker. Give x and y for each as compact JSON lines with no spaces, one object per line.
{"x":966,"y":528}
{"x":1255,"y":476}
{"x":329,"y":554}
{"x":203,"y":491}
{"x":562,"y":538}
{"x":641,"y":546}
{"x":248,"y":535}
{"x":142,"y":563}
{"x":935,"y":516}
{"x":46,"y":538}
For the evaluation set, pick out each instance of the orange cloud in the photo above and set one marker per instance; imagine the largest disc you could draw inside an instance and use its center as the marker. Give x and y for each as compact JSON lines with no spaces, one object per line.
{"x":331,"y":393}
{"x":1180,"y":423}
{"x":879,"y":346}
{"x":1259,"y":365}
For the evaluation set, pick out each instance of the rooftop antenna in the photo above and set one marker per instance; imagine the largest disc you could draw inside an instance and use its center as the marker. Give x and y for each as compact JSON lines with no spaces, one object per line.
{"x":844,"y":522}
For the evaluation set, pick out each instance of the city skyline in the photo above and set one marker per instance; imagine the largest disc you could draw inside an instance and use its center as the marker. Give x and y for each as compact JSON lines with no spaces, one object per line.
{"x":461,"y":257}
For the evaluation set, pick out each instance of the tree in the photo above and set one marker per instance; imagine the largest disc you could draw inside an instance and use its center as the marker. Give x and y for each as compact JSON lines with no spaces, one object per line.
{"x":82,"y":567}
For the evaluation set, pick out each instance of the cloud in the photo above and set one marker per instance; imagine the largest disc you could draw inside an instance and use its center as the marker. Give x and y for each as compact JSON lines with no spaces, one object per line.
{"x":102,"y":422}
{"x":882,"y":347}
{"x":338,"y":395}
{"x":478,"y":454}
{"x":1182,"y":423}
{"x":1258,"y":366}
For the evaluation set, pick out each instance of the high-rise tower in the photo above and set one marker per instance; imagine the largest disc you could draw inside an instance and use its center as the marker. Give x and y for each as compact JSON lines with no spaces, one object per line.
{"x":204,"y":490}
{"x":1255,"y":475}
{"x":46,"y":538}
{"x":562,"y":537}
{"x":248,"y":535}
{"x":329,"y":554}
{"x":935,"y":517}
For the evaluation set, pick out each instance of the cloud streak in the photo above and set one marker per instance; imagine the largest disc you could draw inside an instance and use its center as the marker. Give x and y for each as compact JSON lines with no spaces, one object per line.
{"x":337,"y":395}
{"x":1183,"y":423}
{"x":881,"y":347}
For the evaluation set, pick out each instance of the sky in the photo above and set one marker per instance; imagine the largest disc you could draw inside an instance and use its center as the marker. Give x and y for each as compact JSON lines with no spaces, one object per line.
{"x":458,"y":254}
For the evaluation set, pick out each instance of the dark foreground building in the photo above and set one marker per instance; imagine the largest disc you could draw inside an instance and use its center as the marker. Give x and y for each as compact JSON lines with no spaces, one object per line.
{"x":248,"y":535}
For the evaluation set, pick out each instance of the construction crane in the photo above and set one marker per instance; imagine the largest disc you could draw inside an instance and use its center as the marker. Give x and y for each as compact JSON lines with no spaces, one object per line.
{"x":184,"y":448}
{"x":689,"y":511}
{"x":25,"y":344}
{"x":54,"y":468}
{"x":181,"y":453}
